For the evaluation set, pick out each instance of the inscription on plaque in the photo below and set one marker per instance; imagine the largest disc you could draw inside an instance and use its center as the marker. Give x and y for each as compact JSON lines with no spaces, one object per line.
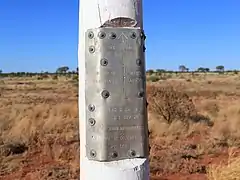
{"x":121,"y":120}
{"x":124,"y":110}
{"x":117,"y":128}
{"x":126,"y":117}
{"x":116,"y":138}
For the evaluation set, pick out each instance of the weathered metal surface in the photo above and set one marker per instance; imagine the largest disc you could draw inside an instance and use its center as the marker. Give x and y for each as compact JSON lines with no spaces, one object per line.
{"x":120,"y":22}
{"x":116,"y":116}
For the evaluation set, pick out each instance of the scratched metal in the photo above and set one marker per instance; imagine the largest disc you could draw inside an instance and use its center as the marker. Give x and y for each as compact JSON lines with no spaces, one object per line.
{"x":116,"y":88}
{"x":120,"y":22}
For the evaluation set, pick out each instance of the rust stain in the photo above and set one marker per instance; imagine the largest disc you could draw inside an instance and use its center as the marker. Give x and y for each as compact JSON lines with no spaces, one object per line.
{"x":120,"y":22}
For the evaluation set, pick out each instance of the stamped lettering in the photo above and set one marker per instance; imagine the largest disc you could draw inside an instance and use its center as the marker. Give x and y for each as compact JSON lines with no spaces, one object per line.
{"x":125,"y":128}
{"x":109,"y":72}
{"x":111,"y":48}
{"x":126,"y":117}
{"x":128,"y":138}
{"x":123,"y":38}
{"x":128,"y":47}
{"x":123,"y":146}
{"x":134,"y":80}
{"x":106,"y":81}
{"x":119,"y":109}
{"x":135,"y":73}
{"x":121,"y":118}
{"x":116,"y":118}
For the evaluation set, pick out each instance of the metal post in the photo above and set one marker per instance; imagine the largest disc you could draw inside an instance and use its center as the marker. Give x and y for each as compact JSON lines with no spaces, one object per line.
{"x":112,"y":86}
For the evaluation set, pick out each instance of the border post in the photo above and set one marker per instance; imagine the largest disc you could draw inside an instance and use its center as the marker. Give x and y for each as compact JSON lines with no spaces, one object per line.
{"x":112,"y":91}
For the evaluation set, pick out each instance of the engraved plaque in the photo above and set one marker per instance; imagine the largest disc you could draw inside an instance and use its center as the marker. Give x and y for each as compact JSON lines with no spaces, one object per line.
{"x":116,"y":116}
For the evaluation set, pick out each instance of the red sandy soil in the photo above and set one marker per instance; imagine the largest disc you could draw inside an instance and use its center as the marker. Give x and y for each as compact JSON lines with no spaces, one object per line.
{"x":178,"y":161}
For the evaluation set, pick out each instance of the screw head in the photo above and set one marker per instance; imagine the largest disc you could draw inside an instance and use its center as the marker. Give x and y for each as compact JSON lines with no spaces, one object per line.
{"x":140,"y":94}
{"x":114,"y":154}
{"x":112,"y":35}
{"x":133,"y":35}
{"x":93,"y":153}
{"x":143,"y":36}
{"x":144,"y":48}
{"x":105,"y":94}
{"x":139,"y":62}
{"x":104,"y":62}
{"x":101,"y":35}
{"x":90,"y":35}
{"x":92,"y":122}
{"x":132,"y":153}
{"x":91,"y":107}
{"x":91,"y":49}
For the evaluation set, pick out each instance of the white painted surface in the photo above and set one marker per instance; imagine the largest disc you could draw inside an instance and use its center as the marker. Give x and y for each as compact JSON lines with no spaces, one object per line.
{"x":93,"y":14}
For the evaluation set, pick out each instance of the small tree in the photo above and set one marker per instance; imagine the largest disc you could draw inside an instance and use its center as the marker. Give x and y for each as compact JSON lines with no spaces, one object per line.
{"x":202,"y":69}
{"x":1,"y":71}
{"x":182,"y":68}
{"x":235,"y":71}
{"x":150,"y":71}
{"x":160,"y":71}
{"x":62,"y":69}
{"x":220,"y":68}
{"x":170,"y":104}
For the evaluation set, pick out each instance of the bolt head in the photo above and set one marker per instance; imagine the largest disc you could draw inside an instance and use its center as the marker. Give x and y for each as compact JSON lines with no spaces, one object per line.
{"x":144,"y":48}
{"x":143,"y":36}
{"x":91,"y":49}
{"x":139,"y":62}
{"x":132,"y":153}
{"x":104,"y":62}
{"x":92,"y":122}
{"x":91,"y":107}
{"x":133,"y":35}
{"x":105,"y":94}
{"x":140,"y":94}
{"x":112,"y":35}
{"x":101,"y":35}
{"x":93,"y":153}
{"x":114,"y":154}
{"x":90,"y":35}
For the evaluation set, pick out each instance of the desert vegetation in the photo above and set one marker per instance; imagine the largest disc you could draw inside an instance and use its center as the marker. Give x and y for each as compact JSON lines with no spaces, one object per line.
{"x":193,"y":122}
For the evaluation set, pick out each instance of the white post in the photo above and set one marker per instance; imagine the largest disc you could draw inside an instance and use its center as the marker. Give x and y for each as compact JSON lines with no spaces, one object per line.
{"x":95,"y":14}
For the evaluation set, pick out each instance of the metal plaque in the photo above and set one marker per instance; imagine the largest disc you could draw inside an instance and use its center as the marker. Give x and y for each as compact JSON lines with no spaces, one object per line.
{"x":116,"y":113}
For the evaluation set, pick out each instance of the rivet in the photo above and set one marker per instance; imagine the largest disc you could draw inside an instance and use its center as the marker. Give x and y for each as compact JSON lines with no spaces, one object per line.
{"x":92,"y":122}
{"x":143,"y":36}
{"x":91,"y":107}
{"x":133,"y":35}
{"x":105,"y":94}
{"x":140,"y":94}
{"x":104,"y":62}
{"x":144,"y":48}
{"x":112,"y":35}
{"x":101,"y":35}
{"x":93,"y":153}
{"x":90,"y":35}
{"x":91,"y":49}
{"x":138,"y":62}
{"x":132,"y":153}
{"x":114,"y":154}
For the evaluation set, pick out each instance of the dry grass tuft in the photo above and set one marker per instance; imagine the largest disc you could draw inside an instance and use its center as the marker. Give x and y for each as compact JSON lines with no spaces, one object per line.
{"x":170,"y":104}
{"x":226,"y":171}
{"x":193,"y":122}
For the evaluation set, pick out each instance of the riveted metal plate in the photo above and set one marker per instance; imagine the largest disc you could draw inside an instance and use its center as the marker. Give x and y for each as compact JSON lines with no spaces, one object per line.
{"x":116,"y":113}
